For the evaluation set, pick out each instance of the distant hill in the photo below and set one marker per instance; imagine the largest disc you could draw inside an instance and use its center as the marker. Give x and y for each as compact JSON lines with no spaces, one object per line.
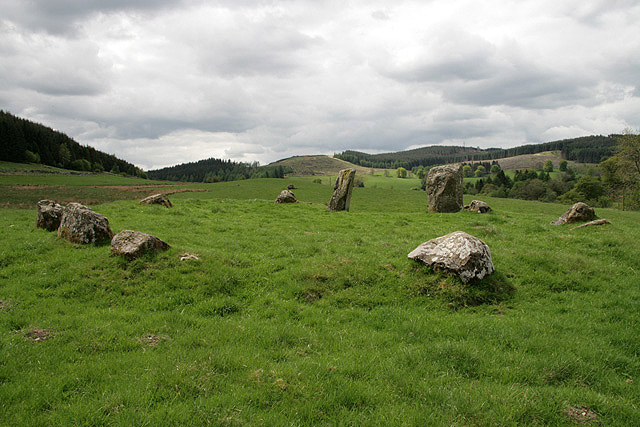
{"x":23,"y":141}
{"x":317,"y":165}
{"x":588,"y":149}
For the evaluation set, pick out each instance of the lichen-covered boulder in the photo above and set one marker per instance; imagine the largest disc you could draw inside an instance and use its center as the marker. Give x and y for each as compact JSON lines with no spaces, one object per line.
{"x":49,"y":215}
{"x":444,"y":188}
{"x":341,"y":198}
{"x":132,"y":244}
{"x":291,"y":187}
{"x":580,"y":212}
{"x":458,"y":253}
{"x":157,"y":199}
{"x":286,"y":196}
{"x":80,"y":224}
{"x":478,"y":206}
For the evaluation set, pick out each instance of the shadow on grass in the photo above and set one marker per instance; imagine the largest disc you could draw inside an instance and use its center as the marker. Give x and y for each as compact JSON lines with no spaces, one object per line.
{"x":493,"y":289}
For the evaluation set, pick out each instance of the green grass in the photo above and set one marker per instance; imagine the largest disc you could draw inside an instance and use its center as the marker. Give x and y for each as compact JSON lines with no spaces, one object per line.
{"x":298,"y":316}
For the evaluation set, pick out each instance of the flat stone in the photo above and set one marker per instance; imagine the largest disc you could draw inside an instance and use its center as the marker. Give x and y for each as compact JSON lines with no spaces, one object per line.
{"x":80,"y":224}
{"x":132,"y":244}
{"x":596,"y":222}
{"x":457,"y":253}
{"x":157,"y":199}
{"x":478,"y":206}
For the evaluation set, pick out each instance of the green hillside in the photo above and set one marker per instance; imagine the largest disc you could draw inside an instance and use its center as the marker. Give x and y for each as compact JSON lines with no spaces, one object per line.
{"x":317,"y":165}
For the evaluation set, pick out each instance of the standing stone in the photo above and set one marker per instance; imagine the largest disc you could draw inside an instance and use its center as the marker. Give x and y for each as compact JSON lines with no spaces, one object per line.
{"x":49,"y":215}
{"x":341,"y":197}
{"x":459,"y":253}
{"x":132,"y":244}
{"x":156,"y":199}
{"x":580,"y":212}
{"x":444,"y":188}
{"x":80,"y":224}
{"x":286,"y":196}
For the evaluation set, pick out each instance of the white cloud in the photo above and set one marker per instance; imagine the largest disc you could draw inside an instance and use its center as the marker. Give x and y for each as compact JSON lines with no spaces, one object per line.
{"x":165,"y":82}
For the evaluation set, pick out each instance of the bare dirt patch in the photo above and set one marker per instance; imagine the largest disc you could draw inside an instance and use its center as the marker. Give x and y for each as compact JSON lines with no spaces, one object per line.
{"x":38,"y":335}
{"x":152,"y":340}
{"x":581,"y":415}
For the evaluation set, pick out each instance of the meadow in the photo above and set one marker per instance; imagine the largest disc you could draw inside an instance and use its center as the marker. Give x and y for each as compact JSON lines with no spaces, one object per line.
{"x":297,"y":316}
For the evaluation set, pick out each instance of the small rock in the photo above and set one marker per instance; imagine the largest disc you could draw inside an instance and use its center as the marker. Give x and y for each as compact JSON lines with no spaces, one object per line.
{"x":132,"y":244}
{"x":459,"y":253}
{"x":185,"y":256}
{"x":291,"y":187}
{"x":341,"y":198}
{"x":579,"y":212}
{"x":596,"y":222}
{"x":444,"y":188}
{"x":477,"y":206}
{"x":80,"y":224}
{"x":286,"y":196}
{"x":156,"y":199}
{"x":49,"y":215}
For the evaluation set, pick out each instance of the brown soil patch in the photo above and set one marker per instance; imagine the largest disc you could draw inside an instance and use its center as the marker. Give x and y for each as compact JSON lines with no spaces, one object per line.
{"x":581,"y":415}
{"x":152,"y":340}
{"x":38,"y":335}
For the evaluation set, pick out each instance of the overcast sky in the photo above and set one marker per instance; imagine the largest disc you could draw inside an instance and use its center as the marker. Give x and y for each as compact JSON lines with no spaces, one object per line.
{"x":162,"y":82}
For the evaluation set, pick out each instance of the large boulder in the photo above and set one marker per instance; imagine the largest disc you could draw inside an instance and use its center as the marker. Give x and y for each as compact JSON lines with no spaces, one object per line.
{"x":49,"y":215}
{"x":580,"y":212}
{"x":80,"y":224}
{"x":458,"y":253}
{"x":286,"y":196}
{"x":342,"y":189}
{"x":478,"y":206}
{"x":444,"y":188}
{"x":157,"y":199}
{"x":132,"y":244}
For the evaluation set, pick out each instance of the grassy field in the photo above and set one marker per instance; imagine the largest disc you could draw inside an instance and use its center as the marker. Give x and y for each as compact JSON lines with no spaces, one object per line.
{"x":297,"y":316}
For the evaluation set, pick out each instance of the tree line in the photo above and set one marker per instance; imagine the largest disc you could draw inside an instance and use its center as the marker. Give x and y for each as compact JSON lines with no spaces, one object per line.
{"x":216,"y":170}
{"x":24,"y":141}
{"x":587,"y":149}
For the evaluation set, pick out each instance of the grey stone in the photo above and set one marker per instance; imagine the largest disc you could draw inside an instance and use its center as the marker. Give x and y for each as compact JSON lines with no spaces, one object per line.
{"x":49,"y":215}
{"x":341,"y":198}
{"x":458,"y":253}
{"x":579,"y":212}
{"x":157,"y":199}
{"x":444,"y":188}
{"x":478,"y":206}
{"x":80,"y":224}
{"x":132,"y":244}
{"x":286,"y":196}
{"x":596,"y":222}
{"x":291,"y":187}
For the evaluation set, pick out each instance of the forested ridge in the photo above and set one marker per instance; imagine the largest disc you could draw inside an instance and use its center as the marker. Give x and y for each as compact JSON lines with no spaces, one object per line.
{"x":587,"y":149}
{"x":24,"y":141}
{"x":216,"y":170}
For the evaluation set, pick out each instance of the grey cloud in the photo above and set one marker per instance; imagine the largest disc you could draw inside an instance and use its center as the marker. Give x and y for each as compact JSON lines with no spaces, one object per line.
{"x":65,"y":16}
{"x":524,"y":88}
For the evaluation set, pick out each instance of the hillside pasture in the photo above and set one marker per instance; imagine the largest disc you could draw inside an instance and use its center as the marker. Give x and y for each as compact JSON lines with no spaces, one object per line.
{"x":294,"y":315}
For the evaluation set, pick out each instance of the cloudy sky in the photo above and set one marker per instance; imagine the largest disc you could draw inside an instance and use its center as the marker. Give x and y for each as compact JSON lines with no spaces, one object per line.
{"x":162,"y":82}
